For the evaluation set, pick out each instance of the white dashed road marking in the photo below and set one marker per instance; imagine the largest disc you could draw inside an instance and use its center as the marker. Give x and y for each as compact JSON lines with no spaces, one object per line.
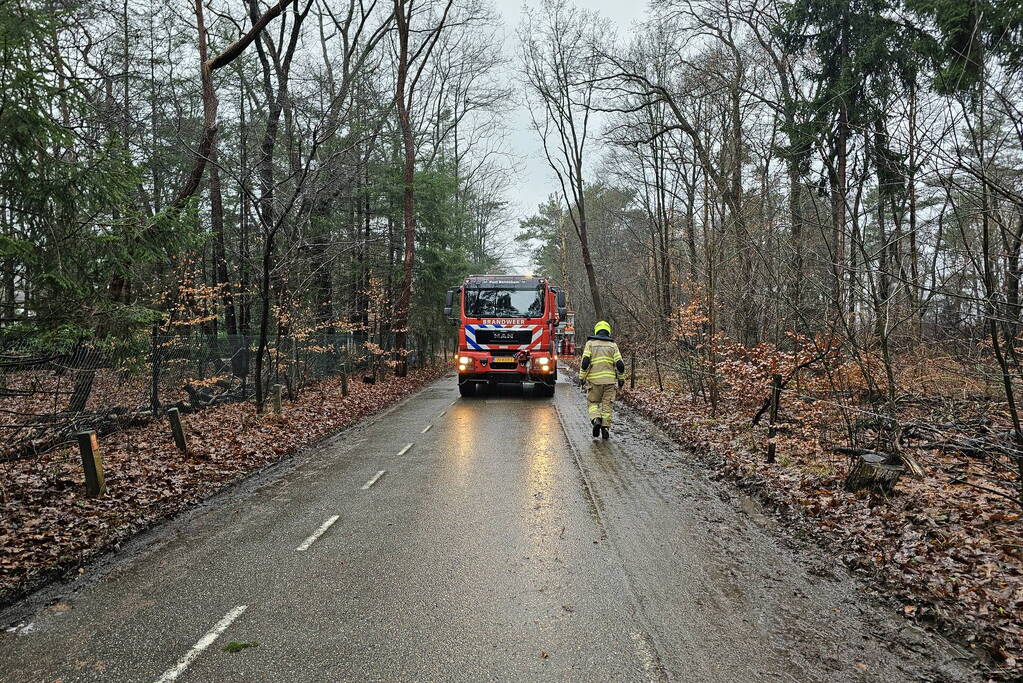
{"x":316,"y":534}
{"x":407,"y":448}
{"x":442,"y":413}
{"x":426,"y":429}
{"x":203,"y":643}
{"x":375,"y":479}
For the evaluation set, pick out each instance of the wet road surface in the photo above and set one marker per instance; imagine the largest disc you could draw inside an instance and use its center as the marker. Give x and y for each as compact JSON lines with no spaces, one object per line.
{"x":483,"y":538}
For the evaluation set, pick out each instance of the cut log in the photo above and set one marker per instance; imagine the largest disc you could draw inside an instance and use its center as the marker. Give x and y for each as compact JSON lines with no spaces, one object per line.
{"x":871,"y":472}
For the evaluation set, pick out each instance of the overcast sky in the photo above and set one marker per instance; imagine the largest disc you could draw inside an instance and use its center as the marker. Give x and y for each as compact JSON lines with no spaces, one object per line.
{"x":535,"y":181}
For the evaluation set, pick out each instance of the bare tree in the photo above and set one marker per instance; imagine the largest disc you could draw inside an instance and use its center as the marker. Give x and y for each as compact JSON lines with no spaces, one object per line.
{"x":415,"y":45}
{"x":561,"y":64}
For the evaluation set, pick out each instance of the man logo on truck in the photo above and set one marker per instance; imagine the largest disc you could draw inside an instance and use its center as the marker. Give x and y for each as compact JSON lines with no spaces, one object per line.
{"x":506,"y":333}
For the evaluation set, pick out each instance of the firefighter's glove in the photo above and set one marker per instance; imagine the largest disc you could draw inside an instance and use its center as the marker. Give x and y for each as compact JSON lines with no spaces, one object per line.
{"x":621,"y":383}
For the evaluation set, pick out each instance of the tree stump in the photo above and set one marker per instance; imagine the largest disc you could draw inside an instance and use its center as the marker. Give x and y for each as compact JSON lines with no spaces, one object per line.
{"x":870,"y":472}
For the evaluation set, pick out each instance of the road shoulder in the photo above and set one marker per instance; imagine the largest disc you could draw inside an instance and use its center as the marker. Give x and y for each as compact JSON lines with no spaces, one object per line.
{"x":738,"y":569}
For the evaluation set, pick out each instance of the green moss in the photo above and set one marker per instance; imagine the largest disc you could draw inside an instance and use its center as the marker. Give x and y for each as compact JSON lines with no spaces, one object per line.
{"x":235,"y":646}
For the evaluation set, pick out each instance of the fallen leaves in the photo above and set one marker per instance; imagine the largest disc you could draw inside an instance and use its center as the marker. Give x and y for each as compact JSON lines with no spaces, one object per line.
{"x":952,"y":554}
{"x":48,"y":525}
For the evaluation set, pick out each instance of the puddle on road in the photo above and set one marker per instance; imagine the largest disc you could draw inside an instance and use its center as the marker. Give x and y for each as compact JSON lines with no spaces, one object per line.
{"x":752,"y":508}
{"x":604,"y":458}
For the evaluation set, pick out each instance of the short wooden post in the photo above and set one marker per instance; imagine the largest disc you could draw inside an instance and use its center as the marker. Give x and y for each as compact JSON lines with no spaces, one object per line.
{"x":772,"y":430}
{"x":657,"y":367}
{"x":344,"y":381}
{"x":275,"y":393}
{"x":92,"y":463}
{"x":174,"y":415}
{"x":632,"y":371}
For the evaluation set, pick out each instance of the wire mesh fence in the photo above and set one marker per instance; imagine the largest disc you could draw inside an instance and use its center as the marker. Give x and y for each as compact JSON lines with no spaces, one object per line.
{"x":47,"y":396}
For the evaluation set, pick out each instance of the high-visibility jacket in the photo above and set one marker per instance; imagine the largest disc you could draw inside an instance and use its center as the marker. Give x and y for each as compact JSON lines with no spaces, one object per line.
{"x":602,"y":361}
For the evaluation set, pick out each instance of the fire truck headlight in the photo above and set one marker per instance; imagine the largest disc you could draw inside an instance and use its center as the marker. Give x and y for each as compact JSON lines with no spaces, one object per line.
{"x":464,"y":360}
{"x":543,"y":361}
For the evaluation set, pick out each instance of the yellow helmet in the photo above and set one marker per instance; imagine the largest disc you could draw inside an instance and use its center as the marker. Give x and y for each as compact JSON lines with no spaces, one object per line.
{"x":602,"y":325}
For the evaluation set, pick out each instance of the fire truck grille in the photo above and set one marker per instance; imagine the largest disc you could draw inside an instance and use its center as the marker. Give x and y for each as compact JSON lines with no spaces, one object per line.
{"x":504,"y":337}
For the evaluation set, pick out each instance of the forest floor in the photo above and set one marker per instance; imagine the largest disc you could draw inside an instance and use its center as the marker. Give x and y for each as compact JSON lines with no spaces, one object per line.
{"x":950,"y":553}
{"x":49,"y":527}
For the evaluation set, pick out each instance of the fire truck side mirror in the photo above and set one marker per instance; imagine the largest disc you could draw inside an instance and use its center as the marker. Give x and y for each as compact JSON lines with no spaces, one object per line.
{"x":448,"y":298}
{"x":452,"y":302}
{"x":562,"y":309}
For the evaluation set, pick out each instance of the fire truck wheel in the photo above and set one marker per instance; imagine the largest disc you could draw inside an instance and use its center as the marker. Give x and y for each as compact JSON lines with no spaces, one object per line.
{"x":467,"y":389}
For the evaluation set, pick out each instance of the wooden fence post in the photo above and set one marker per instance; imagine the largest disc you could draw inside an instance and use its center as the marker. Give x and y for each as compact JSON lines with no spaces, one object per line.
{"x":772,"y":430}
{"x":657,"y":367}
{"x":344,"y":381}
{"x":92,"y":463}
{"x":275,"y":392}
{"x":632,"y":371}
{"x":174,"y":415}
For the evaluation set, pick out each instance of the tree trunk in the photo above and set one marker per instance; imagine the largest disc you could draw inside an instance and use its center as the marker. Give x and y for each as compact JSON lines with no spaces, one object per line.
{"x":584,"y":244}
{"x":220,"y":245}
{"x":915,"y":292}
{"x":400,"y":321}
{"x":838,"y":203}
{"x":796,"y":217}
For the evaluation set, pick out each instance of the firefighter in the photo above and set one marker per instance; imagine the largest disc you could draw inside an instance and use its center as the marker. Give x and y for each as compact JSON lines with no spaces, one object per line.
{"x":603,"y":367}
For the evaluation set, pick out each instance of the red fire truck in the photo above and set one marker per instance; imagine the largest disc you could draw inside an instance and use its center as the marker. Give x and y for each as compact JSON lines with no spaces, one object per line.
{"x":507,"y":326}
{"x":564,"y":339}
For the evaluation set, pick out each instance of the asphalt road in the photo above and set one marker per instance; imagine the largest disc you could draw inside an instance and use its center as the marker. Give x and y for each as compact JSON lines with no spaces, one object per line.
{"x":501,"y":543}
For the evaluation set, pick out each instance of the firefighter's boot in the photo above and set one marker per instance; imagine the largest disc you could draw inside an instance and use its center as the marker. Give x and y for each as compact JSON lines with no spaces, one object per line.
{"x":596,"y":427}
{"x":605,"y":433}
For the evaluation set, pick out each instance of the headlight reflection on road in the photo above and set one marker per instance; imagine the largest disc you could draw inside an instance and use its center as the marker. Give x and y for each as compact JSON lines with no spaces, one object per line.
{"x":541,"y":489}
{"x":467,"y":430}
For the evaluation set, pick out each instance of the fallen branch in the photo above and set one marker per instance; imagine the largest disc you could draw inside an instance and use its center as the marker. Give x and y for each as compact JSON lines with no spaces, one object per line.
{"x":986,"y":489}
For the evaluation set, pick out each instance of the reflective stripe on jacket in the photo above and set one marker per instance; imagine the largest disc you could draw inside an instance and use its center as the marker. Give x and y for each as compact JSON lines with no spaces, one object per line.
{"x":602,"y":362}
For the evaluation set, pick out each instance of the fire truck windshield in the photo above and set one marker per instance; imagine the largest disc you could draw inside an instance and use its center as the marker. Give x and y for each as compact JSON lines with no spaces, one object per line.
{"x":503,"y":303}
